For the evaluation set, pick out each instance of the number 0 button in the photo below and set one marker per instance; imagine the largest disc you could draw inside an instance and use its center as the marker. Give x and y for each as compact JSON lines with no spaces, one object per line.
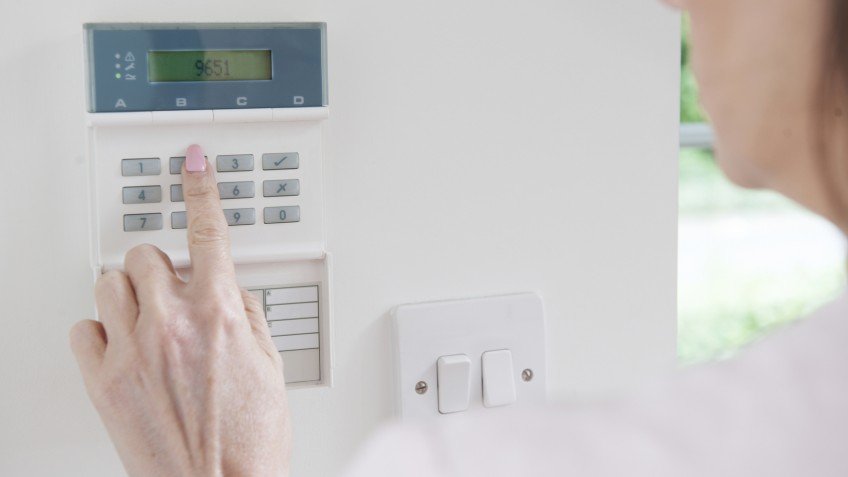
{"x":281,"y":215}
{"x":235,"y":163}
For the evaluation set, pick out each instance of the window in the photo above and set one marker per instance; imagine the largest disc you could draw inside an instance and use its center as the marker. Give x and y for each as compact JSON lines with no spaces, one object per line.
{"x":748,"y":261}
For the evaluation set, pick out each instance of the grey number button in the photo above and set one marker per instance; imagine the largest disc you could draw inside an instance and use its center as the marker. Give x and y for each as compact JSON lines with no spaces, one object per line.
{"x":141,"y":167}
{"x":141,"y":222}
{"x":240,"y":216}
{"x":176,"y":165}
{"x":236,"y":190}
{"x":235,"y":162}
{"x":178,"y":220}
{"x":176,"y":193}
{"x":280,"y":215}
{"x":281,"y":188}
{"x":142,"y":195}
{"x":280,"y":160}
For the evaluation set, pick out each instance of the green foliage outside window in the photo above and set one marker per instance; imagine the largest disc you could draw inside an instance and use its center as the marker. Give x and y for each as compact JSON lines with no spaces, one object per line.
{"x":690,"y":111}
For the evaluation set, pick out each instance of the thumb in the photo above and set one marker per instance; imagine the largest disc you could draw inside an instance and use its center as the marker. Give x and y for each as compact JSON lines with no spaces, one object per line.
{"x":258,"y":325}
{"x":88,"y":343}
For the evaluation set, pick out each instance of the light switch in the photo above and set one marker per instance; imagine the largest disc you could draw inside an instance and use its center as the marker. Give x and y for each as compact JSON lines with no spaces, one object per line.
{"x":498,"y":379}
{"x":469,"y":328}
{"x":454,"y":375}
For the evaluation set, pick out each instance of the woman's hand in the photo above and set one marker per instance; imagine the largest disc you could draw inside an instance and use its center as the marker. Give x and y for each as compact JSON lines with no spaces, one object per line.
{"x":184,"y":374}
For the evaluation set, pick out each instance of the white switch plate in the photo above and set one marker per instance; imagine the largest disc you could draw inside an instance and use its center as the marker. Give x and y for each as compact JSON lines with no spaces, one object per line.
{"x":426,"y":331}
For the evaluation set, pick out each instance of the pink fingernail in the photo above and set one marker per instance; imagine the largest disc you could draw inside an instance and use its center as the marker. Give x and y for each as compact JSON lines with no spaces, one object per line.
{"x":195,"y":159}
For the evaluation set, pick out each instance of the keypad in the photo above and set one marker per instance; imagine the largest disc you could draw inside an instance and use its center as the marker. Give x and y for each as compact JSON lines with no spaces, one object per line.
{"x":179,"y":220}
{"x":142,"y":195}
{"x":141,"y":167}
{"x":275,"y":202}
{"x":279,"y":161}
{"x":142,"y":222}
{"x":176,"y":193}
{"x":281,"y":188}
{"x":236,"y":190}
{"x":240,"y":216}
{"x":235,"y":163}
{"x":176,"y":165}
{"x":282,"y":215}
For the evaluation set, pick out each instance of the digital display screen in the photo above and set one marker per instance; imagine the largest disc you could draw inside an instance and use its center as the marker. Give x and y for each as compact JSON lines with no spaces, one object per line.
{"x":208,"y":65}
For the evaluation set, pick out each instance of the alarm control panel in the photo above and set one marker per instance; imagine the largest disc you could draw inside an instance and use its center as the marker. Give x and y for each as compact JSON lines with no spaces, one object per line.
{"x":254,"y":96}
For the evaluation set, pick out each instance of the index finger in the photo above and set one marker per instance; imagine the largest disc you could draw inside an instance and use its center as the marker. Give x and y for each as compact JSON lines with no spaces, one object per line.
{"x":208,"y":237}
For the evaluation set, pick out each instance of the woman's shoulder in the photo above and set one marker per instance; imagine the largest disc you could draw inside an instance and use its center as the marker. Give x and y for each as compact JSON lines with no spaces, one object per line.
{"x":814,"y":345}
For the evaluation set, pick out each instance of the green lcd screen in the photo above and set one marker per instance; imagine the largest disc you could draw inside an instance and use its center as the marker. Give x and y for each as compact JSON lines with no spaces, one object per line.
{"x":208,"y":65}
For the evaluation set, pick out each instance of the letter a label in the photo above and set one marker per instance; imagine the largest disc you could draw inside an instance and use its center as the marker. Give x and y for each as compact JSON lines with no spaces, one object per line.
{"x":120,"y":104}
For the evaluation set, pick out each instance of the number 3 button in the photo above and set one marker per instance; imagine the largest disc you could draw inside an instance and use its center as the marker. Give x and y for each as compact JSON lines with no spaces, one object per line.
{"x":235,"y":163}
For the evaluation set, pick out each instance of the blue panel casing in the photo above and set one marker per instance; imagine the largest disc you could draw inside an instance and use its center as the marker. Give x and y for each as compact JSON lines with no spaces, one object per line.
{"x":117,"y":66}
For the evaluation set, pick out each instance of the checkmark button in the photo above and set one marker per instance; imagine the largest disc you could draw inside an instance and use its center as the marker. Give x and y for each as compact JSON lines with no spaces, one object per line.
{"x":280,"y":160}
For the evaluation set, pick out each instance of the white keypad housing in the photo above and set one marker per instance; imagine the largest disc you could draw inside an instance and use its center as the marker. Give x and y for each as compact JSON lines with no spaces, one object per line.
{"x":269,"y":168}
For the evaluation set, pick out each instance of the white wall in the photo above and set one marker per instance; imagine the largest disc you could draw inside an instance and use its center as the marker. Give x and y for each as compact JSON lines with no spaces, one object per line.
{"x":474,"y":148}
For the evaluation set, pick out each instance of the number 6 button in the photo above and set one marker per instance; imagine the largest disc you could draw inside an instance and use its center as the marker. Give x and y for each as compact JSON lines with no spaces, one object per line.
{"x":280,"y":215}
{"x":236,"y":190}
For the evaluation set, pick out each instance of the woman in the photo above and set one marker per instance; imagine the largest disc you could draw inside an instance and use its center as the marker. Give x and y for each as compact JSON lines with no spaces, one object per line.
{"x":772,"y":76}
